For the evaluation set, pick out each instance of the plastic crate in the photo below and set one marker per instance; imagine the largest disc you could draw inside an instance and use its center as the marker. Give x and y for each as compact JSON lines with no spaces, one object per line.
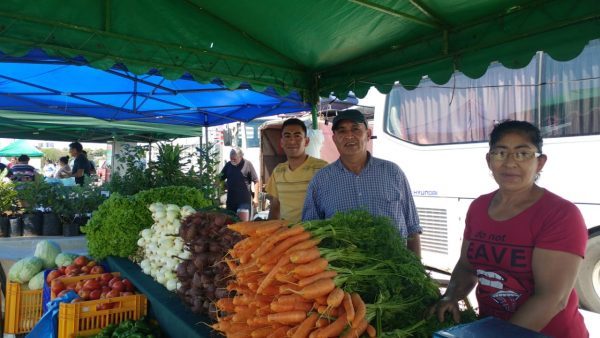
{"x":84,"y":319}
{"x":23,"y":308}
{"x":73,"y":280}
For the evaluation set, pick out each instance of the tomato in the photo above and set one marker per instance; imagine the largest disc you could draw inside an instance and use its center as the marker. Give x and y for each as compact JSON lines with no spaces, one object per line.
{"x":72,"y":269}
{"x":79,"y":285}
{"x":91,"y":285}
{"x":57,"y":286}
{"x":81,"y":261}
{"x":113,"y":280}
{"x":91,"y":263}
{"x":127,"y":293}
{"x":105,"y":306}
{"x":95,"y":270}
{"x":106,"y":277}
{"x":85,"y":294}
{"x":95,"y":294}
{"x":62,"y":270}
{"x":53,"y":275}
{"x":106,"y":289}
{"x":85,"y":269}
{"x":128,"y":285}
{"x":113,"y":293}
{"x":119,"y":286}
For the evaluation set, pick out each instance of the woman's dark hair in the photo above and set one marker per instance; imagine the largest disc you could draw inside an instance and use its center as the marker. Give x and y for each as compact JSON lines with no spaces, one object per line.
{"x":523,"y":127}
{"x":77,"y":146}
{"x":294,"y":122}
{"x":64,"y":159}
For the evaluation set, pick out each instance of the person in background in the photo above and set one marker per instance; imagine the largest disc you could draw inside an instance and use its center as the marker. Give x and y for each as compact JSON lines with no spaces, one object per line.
{"x":357,"y":180}
{"x":13,"y":161}
{"x":64,"y":170}
{"x":81,"y":165}
{"x":286,"y":188}
{"x":523,"y":245}
{"x":49,"y":169}
{"x":22,"y":171}
{"x":92,"y":165}
{"x":238,"y":174}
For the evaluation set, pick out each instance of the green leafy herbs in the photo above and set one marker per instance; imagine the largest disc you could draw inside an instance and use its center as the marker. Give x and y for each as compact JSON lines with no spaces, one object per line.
{"x":114,"y":228}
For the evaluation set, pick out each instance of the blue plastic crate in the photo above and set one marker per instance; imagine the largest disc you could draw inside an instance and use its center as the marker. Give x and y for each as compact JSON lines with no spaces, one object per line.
{"x":489,"y":327}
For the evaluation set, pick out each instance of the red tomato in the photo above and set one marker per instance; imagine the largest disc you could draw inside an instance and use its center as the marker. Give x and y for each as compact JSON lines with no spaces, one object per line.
{"x":91,"y":284}
{"x":91,"y":263}
{"x":81,"y":261}
{"x":85,"y":269}
{"x":106,"y":277}
{"x":113,"y":280}
{"x":97,"y":269}
{"x":126,"y":293}
{"x":52,"y":276}
{"x":62,"y":270}
{"x":106,"y":289}
{"x":128,"y":285}
{"x":72,"y":269}
{"x":113,"y":293}
{"x":57,"y":286}
{"x":85,"y":294}
{"x":119,"y":286}
{"x":95,"y":294}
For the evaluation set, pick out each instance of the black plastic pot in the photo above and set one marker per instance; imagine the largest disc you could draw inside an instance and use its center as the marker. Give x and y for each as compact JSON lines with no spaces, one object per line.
{"x":71,"y":229}
{"x":16,"y":227}
{"x":32,"y":224}
{"x":4,"y":226}
{"x":51,"y":225}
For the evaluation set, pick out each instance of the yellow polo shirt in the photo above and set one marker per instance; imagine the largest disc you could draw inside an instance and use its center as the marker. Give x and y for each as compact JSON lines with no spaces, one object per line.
{"x":289,"y":187}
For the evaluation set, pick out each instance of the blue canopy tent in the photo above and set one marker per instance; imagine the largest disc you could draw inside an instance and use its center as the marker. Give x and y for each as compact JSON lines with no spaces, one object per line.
{"x":37,"y":83}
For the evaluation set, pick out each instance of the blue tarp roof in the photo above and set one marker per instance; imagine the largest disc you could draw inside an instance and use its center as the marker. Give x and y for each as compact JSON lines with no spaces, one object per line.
{"x":42,"y":84}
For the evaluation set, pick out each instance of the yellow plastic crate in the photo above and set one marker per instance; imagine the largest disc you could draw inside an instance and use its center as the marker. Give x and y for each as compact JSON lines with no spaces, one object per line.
{"x":23,"y":308}
{"x":84,"y":319}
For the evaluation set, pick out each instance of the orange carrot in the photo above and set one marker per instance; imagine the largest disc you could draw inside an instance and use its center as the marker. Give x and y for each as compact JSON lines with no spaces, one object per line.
{"x":290,"y":299}
{"x":371,"y":331}
{"x":278,"y":236}
{"x":284,"y":245}
{"x":314,"y":334}
{"x":277,"y":307}
{"x":287,"y":289}
{"x":348,"y":307}
{"x":360,"y":308}
{"x":322,"y":322}
{"x":286,"y":318}
{"x":335,"y":298}
{"x":334,"y":329}
{"x":358,"y":331}
{"x":281,"y":332}
{"x":271,"y":275}
{"x":320,"y":300}
{"x":262,"y":332}
{"x":291,"y":331}
{"x":307,"y":325}
{"x":327,"y":311}
{"x":319,"y":288}
{"x":225,"y":304}
{"x":270,"y":227}
{"x":312,"y":268}
{"x":304,"y":245}
{"x":305,"y":256}
{"x":285,"y":278}
{"x":314,"y":278}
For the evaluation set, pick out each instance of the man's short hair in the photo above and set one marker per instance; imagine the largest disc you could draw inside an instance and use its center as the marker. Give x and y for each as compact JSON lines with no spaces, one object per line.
{"x":77,"y":146}
{"x":294,"y":122}
{"x":23,"y":158}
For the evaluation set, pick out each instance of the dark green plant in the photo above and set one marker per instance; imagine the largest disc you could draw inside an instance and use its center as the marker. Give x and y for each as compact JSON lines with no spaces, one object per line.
{"x":33,"y":195}
{"x":8,"y":194}
{"x":71,"y":202}
{"x":168,"y":167}
{"x":208,"y":172}
{"x":135,"y":177}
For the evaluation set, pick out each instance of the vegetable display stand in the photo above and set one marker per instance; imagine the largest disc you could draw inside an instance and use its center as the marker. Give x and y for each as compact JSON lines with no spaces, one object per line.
{"x":51,"y":225}
{"x":85,"y":318}
{"x":16,"y":227}
{"x":23,"y":309}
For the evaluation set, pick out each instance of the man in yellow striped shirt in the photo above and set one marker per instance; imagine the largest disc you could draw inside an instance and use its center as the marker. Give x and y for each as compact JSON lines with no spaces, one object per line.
{"x":287,"y":185}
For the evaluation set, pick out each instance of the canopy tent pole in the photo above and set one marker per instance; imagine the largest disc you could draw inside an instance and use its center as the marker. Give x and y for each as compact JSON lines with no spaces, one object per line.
{"x":314,"y":111}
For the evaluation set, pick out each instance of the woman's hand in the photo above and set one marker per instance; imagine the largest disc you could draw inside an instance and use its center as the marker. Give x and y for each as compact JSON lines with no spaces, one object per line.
{"x":445,"y":304}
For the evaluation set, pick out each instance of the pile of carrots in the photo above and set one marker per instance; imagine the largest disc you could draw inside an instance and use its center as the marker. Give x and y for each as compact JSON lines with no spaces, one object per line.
{"x":283,"y":288}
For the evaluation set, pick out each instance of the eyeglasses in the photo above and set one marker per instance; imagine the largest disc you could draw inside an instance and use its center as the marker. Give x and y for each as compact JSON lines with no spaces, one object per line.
{"x":519,"y":156}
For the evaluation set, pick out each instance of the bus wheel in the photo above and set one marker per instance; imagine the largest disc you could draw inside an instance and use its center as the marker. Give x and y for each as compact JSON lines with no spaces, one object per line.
{"x":588,"y":281}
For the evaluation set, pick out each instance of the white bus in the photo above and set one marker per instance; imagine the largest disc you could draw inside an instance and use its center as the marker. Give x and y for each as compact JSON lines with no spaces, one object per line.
{"x":438,"y":135}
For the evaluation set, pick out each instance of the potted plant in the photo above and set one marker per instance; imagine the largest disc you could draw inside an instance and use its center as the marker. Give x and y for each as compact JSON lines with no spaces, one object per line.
{"x":31,"y":196}
{"x":51,"y":225}
{"x":75,"y":204}
{"x":8,"y":199}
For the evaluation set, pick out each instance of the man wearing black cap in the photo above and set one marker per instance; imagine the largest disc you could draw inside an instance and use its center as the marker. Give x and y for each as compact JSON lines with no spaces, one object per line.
{"x":358,"y":180}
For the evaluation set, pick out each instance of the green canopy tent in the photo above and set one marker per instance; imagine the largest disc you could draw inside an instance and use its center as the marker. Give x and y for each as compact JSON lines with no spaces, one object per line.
{"x":20,"y":147}
{"x":314,"y":47}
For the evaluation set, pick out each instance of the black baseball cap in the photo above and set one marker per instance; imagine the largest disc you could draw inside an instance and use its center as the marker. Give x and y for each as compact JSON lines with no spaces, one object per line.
{"x":351,"y":115}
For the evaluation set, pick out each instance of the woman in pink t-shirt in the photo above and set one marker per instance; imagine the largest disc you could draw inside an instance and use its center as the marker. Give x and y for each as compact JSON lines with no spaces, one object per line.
{"x":523,"y":245}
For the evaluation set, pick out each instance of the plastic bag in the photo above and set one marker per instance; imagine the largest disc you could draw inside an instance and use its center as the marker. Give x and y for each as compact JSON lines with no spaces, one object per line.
{"x":47,"y":327}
